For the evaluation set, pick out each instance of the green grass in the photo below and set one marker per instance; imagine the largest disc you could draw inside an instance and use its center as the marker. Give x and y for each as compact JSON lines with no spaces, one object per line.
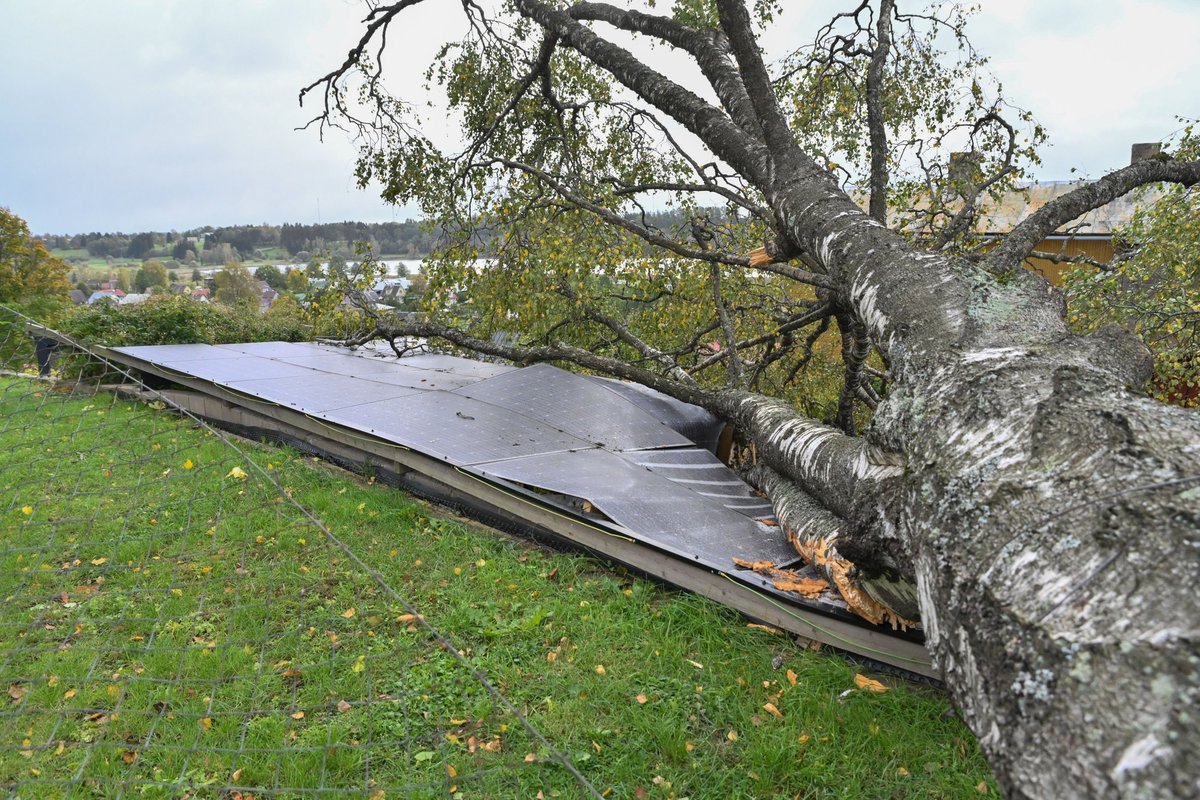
{"x":169,"y":628}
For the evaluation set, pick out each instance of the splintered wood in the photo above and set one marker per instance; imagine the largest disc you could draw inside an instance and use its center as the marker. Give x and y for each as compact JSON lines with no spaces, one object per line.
{"x":785,"y":580}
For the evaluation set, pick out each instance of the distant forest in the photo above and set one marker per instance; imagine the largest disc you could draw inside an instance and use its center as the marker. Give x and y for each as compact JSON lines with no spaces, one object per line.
{"x":408,"y":239}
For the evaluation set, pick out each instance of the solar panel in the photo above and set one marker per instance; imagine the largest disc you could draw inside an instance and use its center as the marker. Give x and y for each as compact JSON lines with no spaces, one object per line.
{"x":572,"y":403}
{"x":320,"y":391}
{"x":649,"y":505}
{"x":692,"y":422}
{"x":701,"y":472}
{"x":277,"y":349}
{"x":164,"y":353}
{"x":456,"y":428}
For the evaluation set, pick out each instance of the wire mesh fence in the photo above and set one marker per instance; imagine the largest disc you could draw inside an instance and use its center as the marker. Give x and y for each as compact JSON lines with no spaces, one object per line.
{"x":178,"y":616}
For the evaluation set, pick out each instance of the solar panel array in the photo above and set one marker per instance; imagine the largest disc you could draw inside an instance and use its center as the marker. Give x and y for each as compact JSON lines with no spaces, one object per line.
{"x":540,"y":427}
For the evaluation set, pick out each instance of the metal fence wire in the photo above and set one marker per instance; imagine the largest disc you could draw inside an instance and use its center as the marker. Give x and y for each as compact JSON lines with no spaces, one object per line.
{"x":177,"y":620}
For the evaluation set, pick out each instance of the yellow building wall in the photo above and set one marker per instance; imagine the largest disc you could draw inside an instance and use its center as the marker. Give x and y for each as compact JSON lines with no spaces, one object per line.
{"x":1098,"y":249}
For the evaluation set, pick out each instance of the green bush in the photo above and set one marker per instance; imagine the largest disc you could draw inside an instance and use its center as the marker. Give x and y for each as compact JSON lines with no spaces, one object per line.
{"x":178,"y":319}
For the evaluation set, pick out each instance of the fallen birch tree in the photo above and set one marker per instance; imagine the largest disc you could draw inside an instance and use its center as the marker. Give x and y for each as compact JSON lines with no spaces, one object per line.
{"x":1012,"y":487}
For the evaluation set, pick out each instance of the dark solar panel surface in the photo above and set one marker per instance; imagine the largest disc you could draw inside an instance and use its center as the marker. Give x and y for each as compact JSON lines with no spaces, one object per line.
{"x":539,"y":427}
{"x":167,"y":354}
{"x":456,"y":428}
{"x":321,"y":393}
{"x":649,"y":505}
{"x":574,"y":403}
{"x":701,"y":472}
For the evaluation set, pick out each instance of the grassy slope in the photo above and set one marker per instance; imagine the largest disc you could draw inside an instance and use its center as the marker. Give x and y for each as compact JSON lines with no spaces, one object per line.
{"x":192,"y":596}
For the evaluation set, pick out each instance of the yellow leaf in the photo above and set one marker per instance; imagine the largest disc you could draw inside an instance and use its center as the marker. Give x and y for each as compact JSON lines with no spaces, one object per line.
{"x":68,"y":694}
{"x":451,"y":771}
{"x":298,"y":715}
{"x":348,"y":613}
{"x":27,"y":510}
{"x":188,"y":464}
{"x":530,"y":758}
{"x":98,"y":561}
{"x":236,"y":776}
{"x":732,"y":736}
{"x":600,"y":670}
{"x":689,"y":746}
{"x":791,"y":677}
{"x":771,"y":709}
{"x":359,"y":664}
{"x":237,"y":472}
{"x":551,"y":656}
{"x":866,"y":684}
{"x":206,"y":723}
{"x":62,"y":746}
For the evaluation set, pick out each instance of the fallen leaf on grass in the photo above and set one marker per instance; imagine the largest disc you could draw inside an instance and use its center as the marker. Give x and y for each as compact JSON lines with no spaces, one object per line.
{"x":866,"y":684}
{"x":343,"y":706}
{"x":298,"y":715}
{"x":348,"y":613}
{"x":766,"y":628}
{"x":98,"y":561}
{"x":642,"y":699}
{"x":237,"y":472}
{"x":772,"y":710}
{"x":17,"y":690}
{"x":530,"y":758}
{"x":791,"y":677}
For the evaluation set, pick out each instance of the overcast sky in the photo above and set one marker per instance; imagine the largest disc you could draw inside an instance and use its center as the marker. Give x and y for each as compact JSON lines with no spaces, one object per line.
{"x":138,"y":115}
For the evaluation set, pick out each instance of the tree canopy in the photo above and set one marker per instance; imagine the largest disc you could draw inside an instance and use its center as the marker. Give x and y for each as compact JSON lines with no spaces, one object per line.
{"x":27,"y":269}
{"x":978,"y":466}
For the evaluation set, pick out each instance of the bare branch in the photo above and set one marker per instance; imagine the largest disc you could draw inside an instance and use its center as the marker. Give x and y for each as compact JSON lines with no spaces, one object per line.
{"x":875,"y":122}
{"x":378,"y":21}
{"x":733,"y":362}
{"x":1021,"y":240}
